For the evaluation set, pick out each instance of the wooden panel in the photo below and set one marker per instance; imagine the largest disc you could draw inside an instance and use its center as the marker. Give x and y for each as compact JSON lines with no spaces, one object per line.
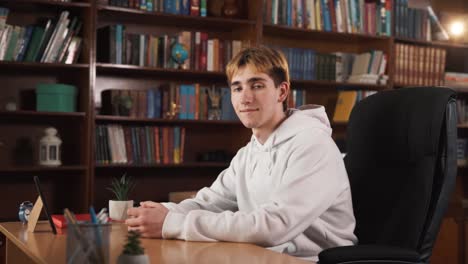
{"x":446,"y":248}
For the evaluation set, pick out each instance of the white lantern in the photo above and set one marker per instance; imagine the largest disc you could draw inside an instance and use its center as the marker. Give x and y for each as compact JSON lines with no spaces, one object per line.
{"x":49,"y":148}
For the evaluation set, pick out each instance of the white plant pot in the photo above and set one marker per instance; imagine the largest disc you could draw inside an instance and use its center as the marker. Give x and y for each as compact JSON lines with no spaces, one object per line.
{"x":118,"y":209}
{"x":133,"y":259}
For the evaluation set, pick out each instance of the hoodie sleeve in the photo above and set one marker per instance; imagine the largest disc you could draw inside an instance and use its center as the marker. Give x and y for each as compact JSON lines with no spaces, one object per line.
{"x":220,"y":196}
{"x":313,"y":168}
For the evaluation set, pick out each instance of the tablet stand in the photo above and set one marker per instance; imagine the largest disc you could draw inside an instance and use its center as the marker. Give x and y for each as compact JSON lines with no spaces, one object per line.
{"x":34,"y":215}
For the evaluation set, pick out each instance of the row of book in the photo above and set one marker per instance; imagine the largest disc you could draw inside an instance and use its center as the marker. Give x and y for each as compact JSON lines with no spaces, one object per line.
{"x":170,"y":101}
{"x":417,"y":23}
{"x":297,"y":97}
{"x":307,"y":64}
{"x":177,"y":7}
{"x":52,"y":40}
{"x":117,"y":144}
{"x":116,"y":45}
{"x":462,"y":150}
{"x":346,"y":101}
{"x":417,"y":65}
{"x":345,"y":16}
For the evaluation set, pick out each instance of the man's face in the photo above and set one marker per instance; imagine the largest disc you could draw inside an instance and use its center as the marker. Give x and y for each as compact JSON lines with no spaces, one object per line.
{"x":256,"y":100}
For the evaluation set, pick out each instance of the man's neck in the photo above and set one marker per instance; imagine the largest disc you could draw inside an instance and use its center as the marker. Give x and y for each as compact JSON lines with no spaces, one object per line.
{"x":262,"y":134}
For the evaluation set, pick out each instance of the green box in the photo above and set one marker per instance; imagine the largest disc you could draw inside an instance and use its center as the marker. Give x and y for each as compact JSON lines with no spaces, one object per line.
{"x":55,"y":97}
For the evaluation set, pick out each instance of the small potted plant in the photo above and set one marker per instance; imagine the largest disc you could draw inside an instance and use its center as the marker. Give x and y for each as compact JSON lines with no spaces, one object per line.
{"x":121,"y":188}
{"x":133,"y":252}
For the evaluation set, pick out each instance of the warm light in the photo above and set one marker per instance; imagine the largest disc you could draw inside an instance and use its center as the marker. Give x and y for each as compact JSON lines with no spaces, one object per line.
{"x":457,"y":28}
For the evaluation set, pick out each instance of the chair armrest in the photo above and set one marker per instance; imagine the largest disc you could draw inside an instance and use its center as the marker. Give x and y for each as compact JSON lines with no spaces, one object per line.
{"x":368,"y":254}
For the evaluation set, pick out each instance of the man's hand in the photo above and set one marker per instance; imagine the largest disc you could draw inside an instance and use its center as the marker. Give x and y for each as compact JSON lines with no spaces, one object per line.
{"x":148,"y":219}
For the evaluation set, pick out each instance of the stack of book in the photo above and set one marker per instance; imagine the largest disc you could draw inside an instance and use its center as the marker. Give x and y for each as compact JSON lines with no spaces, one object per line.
{"x":52,"y":40}
{"x":116,"y":45}
{"x":417,"y":65}
{"x":176,"y":7}
{"x":170,"y":101}
{"x":117,"y":144}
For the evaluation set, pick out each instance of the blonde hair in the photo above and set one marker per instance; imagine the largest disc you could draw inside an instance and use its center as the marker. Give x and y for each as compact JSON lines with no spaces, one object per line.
{"x":265,"y":60}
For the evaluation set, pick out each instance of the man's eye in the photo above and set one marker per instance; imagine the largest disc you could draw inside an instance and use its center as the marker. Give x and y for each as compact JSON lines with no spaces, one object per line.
{"x":236,"y":89}
{"x":257,"y":86}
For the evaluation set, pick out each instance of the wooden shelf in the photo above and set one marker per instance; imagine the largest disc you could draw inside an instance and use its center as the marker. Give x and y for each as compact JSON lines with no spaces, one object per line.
{"x":44,"y":2}
{"x":462,"y":126}
{"x":302,"y":34}
{"x":183,"y":165}
{"x":168,"y":74}
{"x":43,"y":169}
{"x":49,"y":68}
{"x":35,"y":114}
{"x":41,"y":118}
{"x":125,"y":119}
{"x":441,"y":44}
{"x":333,"y":84}
{"x":130,"y":15}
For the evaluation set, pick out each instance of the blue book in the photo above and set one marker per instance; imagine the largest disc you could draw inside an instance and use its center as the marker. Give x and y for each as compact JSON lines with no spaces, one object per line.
{"x":299,"y":98}
{"x":25,"y":43}
{"x":183,"y":101}
{"x":157,"y":103}
{"x":118,"y":43}
{"x":226,"y":104}
{"x":326,"y":15}
{"x":185,"y":7}
{"x":191,"y":101}
{"x":150,"y":113}
{"x":149,"y":5}
{"x":169,"y":6}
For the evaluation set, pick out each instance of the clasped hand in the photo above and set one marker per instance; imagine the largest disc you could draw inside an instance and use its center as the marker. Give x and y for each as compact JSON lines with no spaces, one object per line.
{"x":148,"y":219}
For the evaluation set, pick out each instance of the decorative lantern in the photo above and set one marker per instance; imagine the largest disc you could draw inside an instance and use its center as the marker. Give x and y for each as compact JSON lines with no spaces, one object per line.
{"x":49,"y":148}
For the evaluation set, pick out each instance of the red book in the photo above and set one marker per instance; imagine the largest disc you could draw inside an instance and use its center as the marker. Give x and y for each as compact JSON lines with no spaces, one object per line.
{"x":195,"y":7}
{"x":204,"y":51}
{"x":61,"y":222}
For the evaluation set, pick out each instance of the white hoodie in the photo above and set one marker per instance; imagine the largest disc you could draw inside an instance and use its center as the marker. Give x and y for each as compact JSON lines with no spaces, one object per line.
{"x":291,"y":194}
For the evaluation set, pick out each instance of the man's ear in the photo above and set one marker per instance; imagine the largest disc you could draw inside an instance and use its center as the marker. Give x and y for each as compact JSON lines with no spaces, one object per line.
{"x":283,"y":91}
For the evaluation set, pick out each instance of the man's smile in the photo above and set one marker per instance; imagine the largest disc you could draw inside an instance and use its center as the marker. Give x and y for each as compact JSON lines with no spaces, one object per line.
{"x":249,"y":110}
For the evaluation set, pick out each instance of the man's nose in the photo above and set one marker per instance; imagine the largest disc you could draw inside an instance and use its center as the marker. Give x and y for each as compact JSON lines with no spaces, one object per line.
{"x":246,"y":96}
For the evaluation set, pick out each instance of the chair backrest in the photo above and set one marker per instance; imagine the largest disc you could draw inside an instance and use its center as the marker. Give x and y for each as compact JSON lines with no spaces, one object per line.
{"x":401,"y":161}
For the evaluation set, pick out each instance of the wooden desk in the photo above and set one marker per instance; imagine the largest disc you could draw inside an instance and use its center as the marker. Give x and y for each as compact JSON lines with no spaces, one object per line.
{"x":44,"y":247}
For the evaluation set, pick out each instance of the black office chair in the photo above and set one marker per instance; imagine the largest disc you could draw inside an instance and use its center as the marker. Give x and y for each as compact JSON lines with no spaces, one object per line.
{"x":401,"y":162}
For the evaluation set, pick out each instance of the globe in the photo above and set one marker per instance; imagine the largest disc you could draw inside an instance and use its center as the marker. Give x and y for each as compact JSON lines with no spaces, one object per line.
{"x":179,"y":54}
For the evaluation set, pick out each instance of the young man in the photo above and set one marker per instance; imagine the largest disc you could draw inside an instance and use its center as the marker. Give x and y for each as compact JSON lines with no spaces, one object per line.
{"x":287,"y":189}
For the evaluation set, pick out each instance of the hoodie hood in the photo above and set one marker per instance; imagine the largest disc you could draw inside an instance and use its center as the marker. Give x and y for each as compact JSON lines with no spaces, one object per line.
{"x":305,"y":118}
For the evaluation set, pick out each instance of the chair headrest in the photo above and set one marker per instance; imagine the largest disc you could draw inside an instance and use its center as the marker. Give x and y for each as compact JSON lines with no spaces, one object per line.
{"x":398,"y":126}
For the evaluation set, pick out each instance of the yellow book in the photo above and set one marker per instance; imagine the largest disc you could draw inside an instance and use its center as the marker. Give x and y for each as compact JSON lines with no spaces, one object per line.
{"x":318,"y":15}
{"x":344,"y":105}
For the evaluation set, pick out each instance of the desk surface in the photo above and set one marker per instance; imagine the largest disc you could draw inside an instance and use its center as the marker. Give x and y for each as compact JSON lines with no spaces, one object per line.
{"x":44,"y":247}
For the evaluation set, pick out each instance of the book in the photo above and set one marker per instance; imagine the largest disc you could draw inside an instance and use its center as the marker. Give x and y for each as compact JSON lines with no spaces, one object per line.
{"x":344,"y":105}
{"x":60,"y":221}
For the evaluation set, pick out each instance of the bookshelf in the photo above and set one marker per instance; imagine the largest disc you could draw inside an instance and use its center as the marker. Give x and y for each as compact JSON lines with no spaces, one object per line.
{"x":81,"y":181}
{"x":92,"y":75}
